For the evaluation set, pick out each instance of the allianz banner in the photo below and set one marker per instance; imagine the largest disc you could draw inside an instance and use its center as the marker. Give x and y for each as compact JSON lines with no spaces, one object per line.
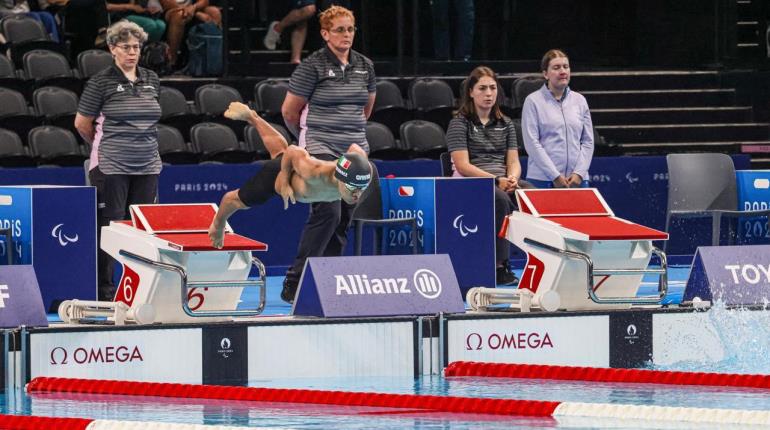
{"x":387,"y":285}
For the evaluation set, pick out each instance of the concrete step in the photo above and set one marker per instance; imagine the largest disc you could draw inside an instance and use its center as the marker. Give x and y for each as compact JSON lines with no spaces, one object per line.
{"x":717,"y":132}
{"x":674,"y":115}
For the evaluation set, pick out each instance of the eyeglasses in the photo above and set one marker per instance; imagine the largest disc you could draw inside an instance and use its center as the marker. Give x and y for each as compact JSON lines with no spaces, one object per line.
{"x":353,"y":188}
{"x":340,"y":30}
{"x":129,"y":48}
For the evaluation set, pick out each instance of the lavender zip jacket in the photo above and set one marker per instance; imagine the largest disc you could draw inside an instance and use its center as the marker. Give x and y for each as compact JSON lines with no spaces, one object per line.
{"x":558,"y":135}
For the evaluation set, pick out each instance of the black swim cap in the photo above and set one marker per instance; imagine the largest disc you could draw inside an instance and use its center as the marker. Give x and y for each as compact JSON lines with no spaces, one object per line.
{"x":353,"y":169}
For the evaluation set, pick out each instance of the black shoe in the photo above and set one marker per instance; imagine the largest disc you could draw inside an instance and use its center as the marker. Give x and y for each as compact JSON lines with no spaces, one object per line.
{"x":506,"y":277}
{"x":289,"y":291}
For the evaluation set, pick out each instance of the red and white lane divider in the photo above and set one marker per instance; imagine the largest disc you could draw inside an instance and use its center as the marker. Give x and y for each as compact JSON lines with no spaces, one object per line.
{"x":532,"y":408}
{"x":25,"y":422}
{"x":599,"y":374}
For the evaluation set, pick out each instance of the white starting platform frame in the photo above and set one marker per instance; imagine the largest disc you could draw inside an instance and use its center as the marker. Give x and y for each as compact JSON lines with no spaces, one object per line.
{"x":171,"y":272}
{"x":580,"y":256}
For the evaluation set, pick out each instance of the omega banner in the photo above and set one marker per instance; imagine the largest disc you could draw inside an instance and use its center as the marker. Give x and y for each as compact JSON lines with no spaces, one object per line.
{"x":386,"y":285}
{"x":736,"y":275}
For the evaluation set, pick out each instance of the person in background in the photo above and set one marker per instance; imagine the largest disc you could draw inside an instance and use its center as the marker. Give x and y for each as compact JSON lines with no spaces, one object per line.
{"x":302,"y":11}
{"x":22,"y":7}
{"x":482,"y":143}
{"x":148,"y":14}
{"x":557,"y":128}
{"x":118,"y":114}
{"x":464,"y":25}
{"x":331,"y":95}
{"x":179,"y":14}
{"x":86,"y":21}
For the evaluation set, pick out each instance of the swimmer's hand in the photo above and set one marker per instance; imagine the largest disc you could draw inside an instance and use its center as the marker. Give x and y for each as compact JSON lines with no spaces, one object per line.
{"x":283,"y":187}
{"x":238,"y":111}
{"x":216,"y":235}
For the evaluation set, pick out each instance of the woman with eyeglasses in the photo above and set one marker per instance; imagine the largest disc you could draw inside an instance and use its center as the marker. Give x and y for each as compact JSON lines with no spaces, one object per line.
{"x":482,"y":143}
{"x":330,"y":97}
{"x":118,"y":114}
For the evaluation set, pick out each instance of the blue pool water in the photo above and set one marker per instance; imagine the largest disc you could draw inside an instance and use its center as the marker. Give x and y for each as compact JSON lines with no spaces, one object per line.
{"x":747,"y":333}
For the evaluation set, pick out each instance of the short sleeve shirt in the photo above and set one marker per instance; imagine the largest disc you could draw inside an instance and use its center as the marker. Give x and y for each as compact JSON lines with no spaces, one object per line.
{"x":333,"y":118}
{"x":128,"y":129}
{"x":487,"y":145}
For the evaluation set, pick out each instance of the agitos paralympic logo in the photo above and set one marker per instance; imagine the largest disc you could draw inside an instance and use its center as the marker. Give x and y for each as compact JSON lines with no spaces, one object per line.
{"x":104,"y":354}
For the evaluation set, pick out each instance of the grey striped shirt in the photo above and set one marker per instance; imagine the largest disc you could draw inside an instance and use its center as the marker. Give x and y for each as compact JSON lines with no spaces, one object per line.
{"x":333,"y":118}
{"x":127,"y":139}
{"x":486,"y":144}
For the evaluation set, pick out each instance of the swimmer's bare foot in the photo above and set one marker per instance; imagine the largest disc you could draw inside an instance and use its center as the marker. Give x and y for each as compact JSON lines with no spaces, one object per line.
{"x":238,"y":111}
{"x":217,"y":236}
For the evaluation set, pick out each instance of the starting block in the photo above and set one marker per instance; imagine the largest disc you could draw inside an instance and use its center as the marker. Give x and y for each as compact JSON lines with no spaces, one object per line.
{"x":580,"y":256}
{"x":171,"y":273}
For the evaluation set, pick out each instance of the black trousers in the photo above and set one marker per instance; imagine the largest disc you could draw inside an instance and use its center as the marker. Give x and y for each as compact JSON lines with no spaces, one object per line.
{"x":325,"y":233}
{"x":114,"y":193}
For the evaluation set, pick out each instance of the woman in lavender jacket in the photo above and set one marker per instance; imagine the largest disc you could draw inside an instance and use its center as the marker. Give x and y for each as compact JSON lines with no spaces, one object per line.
{"x":557,"y":129}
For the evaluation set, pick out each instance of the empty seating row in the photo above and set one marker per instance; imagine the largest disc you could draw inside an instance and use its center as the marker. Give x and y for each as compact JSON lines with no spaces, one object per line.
{"x":48,"y":145}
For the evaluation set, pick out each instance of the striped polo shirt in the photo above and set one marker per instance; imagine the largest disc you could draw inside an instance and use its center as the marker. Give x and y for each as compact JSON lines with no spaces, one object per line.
{"x":486,"y":144}
{"x":336,"y":95}
{"x":126,"y":141}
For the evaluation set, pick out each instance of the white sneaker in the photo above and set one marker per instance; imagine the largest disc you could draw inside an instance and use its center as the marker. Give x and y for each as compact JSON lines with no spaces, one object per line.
{"x":272,"y":37}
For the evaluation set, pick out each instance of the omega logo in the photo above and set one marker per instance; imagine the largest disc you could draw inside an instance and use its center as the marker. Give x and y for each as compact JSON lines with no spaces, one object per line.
{"x":107,"y":354}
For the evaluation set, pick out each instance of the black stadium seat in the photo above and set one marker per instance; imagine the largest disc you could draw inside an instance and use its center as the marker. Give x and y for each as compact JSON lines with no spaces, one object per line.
{"x":389,"y":107}
{"x":213,"y":99}
{"x":175,"y":112}
{"x":93,"y":61}
{"x":423,"y":138}
{"x":268,"y":98}
{"x":58,"y":106}
{"x":15,"y":115}
{"x":217,"y":142}
{"x":56,"y":146}
{"x":382,"y":144}
{"x":172,"y":147}
{"x":433,"y":100}
{"x":49,"y":68}
{"x":23,"y":34}
{"x":12,"y":151}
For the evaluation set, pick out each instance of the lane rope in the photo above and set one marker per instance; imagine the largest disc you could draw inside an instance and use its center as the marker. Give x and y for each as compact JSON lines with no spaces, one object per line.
{"x":600,"y":374}
{"x":26,"y":422}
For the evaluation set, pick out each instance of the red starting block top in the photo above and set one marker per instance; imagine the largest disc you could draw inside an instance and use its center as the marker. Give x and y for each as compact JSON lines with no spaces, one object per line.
{"x":563,"y":202}
{"x":174,"y":218}
{"x":201,"y":242}
{"x":608,"y":228}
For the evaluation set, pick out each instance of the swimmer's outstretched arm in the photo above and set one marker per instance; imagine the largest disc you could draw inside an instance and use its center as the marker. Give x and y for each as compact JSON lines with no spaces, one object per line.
{"x":229,"y":205}
{"x":274,"y":141}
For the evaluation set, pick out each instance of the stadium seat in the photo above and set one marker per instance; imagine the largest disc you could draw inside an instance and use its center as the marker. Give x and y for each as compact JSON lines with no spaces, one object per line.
{"x":523,"y":87}
{"x":433,"y":100}
{"x":15,"y":115}
{"x":423,"y":139}
{"x":217,"y":142}
{"x":268,"y":98}
{"x":212,"y":101}
{"x":49,"y":68}
{"x":389,"y":107}
{"x":172,"y":147}
{"x":58,"y":106}
{"x":23,"y":34}
{"x":12,"y":151}
{"x":175,"y":112}
{"x":704,"y":186}
{"x":254,"y":143}
{"x":93,"y":61}
{"x":382,"y":144}
{"x":57,"y":146}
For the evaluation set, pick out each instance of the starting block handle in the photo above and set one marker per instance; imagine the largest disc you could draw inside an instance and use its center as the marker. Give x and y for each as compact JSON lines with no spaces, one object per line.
{"x":646,"y":300}
{"x":261,"y":283}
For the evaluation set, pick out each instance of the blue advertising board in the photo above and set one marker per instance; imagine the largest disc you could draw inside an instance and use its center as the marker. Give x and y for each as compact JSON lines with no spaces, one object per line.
{"x":54,"y":230}
{"x":455,"y":216}
{"x":753,"y":194}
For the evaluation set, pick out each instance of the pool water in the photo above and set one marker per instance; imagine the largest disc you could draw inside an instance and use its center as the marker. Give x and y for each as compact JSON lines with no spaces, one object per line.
{"x":745,"y":333}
